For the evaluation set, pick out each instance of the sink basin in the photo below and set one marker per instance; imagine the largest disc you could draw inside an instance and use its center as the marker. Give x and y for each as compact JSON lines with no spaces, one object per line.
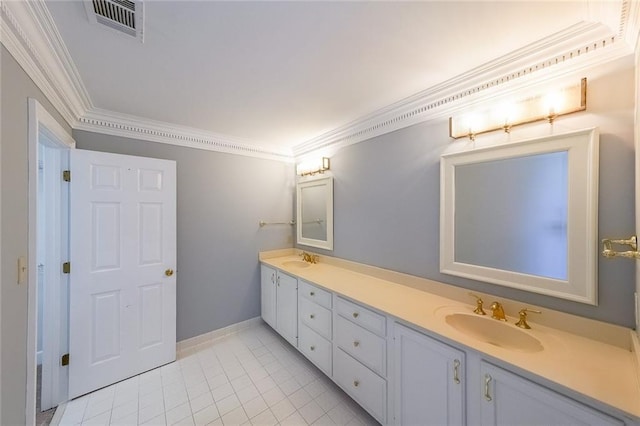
{"x":296,"y":264}
{"x":494,"y":332}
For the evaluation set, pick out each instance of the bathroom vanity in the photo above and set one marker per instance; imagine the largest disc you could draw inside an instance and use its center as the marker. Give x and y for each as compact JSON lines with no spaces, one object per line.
{"x":410,"y":356}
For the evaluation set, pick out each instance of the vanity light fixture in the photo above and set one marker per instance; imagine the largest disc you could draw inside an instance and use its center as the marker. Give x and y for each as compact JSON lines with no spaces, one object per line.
{"x":313,"y":166}
{"x":547,"y":107}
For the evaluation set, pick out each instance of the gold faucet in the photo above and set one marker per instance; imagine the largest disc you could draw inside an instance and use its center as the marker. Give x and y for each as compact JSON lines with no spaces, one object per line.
{"x":478,"y":310}
{"x":309,"y":258}
{"x":497,"y":311}
{"x":522,"y":322}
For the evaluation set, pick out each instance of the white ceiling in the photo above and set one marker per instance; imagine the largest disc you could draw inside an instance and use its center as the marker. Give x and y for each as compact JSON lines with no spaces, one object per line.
{"x":282,"y":73}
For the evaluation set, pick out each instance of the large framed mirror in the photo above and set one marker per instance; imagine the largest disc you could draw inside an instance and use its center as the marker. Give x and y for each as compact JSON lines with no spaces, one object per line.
{"x":314,"y":217}
{"x":524,"y":215}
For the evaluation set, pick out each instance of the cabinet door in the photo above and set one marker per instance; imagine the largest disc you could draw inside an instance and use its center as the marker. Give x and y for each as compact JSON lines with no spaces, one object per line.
{"x":429,"y":380}
{"x":268,"y":295}
{"x":509,"y":399}
{"x":287,"y":307}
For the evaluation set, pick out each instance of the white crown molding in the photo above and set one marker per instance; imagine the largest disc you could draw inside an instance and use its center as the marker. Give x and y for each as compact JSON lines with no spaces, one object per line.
{"x":577,"y":48}
{"x":31,"y":37}
{"x":630,"y":24}
{"x":29,"y":34}
{"x":130,"y":126}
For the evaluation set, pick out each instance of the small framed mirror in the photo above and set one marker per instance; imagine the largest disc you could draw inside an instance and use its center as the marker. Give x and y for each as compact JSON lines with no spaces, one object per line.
{"x":314,"y":217}
{"x":524,"y":215}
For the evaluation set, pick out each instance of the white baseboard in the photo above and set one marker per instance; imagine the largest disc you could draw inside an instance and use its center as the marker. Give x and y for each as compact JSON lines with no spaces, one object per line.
{"x":216,"y":334}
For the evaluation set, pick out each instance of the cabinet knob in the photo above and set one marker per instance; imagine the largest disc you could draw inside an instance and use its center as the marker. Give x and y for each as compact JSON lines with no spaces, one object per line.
{"x":313,"y":348}
{"x":312,"y":316}
{"x":311,"y":293}
{"x":356,"y":383}
{"x":355,"y":314}
{"x":356,"y":343}
{"x":168,"y":272}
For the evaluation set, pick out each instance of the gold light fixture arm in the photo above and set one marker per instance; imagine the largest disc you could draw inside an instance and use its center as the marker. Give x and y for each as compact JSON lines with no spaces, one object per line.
{"x":632,"y":242}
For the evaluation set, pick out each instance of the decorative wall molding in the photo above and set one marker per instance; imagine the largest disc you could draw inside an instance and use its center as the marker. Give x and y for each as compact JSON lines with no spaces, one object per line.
{"x":580,"y":47}
{"x":129,"y":126}
{"x":630,"y":24}
{"x":30,"y":35}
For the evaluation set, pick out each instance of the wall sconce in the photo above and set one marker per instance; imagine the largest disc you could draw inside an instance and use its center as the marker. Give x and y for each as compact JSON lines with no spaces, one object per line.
{"x":503,"y":117}
{"x":313,"y":166}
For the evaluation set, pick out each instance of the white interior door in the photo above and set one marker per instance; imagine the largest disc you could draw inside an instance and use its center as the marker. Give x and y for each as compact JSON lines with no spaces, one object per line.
{"x":123,"y":252}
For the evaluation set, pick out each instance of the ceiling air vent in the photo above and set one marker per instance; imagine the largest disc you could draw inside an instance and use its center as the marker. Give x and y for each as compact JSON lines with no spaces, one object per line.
{"x":125,"y":16}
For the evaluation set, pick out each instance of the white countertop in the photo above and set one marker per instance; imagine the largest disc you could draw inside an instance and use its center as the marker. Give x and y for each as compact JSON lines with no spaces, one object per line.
{"x":602,"y":371}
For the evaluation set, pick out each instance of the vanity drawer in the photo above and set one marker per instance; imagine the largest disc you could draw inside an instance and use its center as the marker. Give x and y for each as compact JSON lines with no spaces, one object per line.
{"x":362,"y":384}
{"x":365,"y":317}
{"x":362,"y":344}
{"x":315,"y":317}
{"x":315,"y":347}
{"x":315,"y":294}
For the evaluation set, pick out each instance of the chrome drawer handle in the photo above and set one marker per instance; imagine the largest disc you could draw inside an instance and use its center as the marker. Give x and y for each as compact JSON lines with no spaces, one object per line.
{"x":356,"y":383}
{"x":355,"y":314}
{"x":487,"y":381}
{"x":313,"y":348}
{"x":312,"y":316}
{"x":356,"y":343}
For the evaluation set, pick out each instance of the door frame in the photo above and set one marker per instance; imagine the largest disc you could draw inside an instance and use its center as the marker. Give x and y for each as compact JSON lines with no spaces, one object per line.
{"x":41,"y":122}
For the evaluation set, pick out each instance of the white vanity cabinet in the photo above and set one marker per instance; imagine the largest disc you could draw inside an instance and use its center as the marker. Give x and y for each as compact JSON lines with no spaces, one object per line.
{"x":403,"y":376}
{"x":429,"y":380}
{"x":315,"y":325}
{"x":509,"y":399}
{"x":268,"y":295}
{"x":360,"y":356}
{"x":279,"y":301}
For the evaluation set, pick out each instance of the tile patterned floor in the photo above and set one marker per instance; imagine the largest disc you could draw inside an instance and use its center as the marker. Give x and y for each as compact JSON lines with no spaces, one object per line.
{"x":253,"y":377}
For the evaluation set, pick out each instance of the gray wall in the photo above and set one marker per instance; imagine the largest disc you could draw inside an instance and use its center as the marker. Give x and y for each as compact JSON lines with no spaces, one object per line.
{"x":221,"y":199}
{"x":16,"y":89}
{"x":386,"y":198}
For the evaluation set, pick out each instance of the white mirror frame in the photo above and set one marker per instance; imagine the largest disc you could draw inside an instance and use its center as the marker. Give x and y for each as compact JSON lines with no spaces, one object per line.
{"x":326,"y":181}
{"x":582,"y":257}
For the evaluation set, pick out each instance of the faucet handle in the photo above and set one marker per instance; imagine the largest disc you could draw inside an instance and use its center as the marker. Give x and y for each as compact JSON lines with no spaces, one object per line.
{"x":522,"y":322}
{"x":497,"y":311}
{"x":478,"y":310}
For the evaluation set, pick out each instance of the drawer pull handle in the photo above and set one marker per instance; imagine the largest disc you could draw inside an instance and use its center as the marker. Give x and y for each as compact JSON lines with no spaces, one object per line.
{"x":313,"y":348}
{"x":312,"y":316}
{"x":311,"y":293}
{"x":456,"y":371}
{"x":356,"y":343}
{"x":487,"y":381}
{"x":355,"y":314}
{"x":356,"y":383}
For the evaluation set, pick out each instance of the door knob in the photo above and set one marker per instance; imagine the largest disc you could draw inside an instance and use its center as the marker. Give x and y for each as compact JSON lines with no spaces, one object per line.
{"x":168,"y":272}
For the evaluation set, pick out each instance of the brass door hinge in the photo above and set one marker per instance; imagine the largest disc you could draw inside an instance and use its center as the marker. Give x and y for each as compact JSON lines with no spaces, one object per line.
{"x":66,"y":175}
{"x":64,"y":360}
{"x":66,"y":268}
